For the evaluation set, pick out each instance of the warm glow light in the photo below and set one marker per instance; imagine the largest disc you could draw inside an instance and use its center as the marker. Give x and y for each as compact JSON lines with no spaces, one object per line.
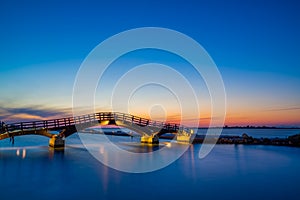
{"x":24,"y":153}
{"x":168,"y":144}
{"x":101,"y":150}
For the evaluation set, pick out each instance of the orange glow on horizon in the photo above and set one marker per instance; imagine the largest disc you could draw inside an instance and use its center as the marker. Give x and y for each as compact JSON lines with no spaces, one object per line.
{"x":256,"y":118}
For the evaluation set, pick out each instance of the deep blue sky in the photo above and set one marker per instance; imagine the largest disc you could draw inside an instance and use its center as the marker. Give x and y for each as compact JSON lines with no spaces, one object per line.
{"x":255,"y":44}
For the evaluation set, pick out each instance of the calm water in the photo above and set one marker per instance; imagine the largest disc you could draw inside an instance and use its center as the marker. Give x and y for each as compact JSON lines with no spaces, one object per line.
{"x":31,"y":170}
{"x":257,"y":133}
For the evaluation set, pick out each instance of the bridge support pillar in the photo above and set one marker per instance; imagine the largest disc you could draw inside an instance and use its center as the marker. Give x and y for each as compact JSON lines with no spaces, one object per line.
{"x":150,"y":139}
{"x":57,"y":142}
{"x":184,"y":138}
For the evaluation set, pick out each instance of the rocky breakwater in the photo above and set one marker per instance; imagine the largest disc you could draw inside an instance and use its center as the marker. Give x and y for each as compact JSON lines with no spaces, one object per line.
{"x":293,"y":140}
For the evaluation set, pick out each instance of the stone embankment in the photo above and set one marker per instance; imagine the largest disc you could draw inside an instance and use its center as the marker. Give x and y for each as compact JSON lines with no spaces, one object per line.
{"x":293,"y":140}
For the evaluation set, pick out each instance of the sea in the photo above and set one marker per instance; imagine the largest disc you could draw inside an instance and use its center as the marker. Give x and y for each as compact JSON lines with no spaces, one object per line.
{"x":255,"y":132}
{"x":29,"y":169}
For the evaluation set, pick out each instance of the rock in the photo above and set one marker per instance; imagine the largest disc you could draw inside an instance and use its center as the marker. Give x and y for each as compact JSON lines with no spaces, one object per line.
{"x":245,"y":136}
{"x":294,"y":139}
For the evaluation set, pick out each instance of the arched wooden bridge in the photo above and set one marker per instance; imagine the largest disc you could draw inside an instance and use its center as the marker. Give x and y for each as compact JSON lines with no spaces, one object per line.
{"x":148,"y":129}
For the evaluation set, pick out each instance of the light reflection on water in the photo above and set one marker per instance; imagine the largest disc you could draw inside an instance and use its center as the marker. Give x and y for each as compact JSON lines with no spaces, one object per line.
{"x":123,"y":154}
{"x":30,"y":169}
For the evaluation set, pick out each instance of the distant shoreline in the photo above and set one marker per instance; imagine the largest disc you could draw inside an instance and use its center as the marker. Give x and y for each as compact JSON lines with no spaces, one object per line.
{"x":250,"y":127}
{"x":292,"y":141}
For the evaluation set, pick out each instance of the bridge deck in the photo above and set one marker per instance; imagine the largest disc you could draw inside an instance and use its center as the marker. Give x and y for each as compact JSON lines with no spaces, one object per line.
{"x":70,"y":125}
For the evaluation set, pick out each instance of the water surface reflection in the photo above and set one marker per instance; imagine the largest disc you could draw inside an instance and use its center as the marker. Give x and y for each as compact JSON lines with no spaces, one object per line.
{"x":228,"y":172}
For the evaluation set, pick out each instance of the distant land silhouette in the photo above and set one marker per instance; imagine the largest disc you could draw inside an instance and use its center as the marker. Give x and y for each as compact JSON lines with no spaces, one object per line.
{"x":254,"y":127}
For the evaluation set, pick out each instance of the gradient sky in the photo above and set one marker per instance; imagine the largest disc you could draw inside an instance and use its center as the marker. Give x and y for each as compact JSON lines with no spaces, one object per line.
{"x":255,"y":44}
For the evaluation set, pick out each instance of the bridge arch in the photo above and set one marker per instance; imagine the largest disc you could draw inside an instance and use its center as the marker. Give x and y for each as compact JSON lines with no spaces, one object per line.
{"x":67,"y":126}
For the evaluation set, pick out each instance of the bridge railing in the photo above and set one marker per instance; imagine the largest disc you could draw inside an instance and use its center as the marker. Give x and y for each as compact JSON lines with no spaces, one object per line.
{"x":46,"y":124}
{"x":57,"y":123}
{"x":101,"y":116}
{"x":145,"y":122}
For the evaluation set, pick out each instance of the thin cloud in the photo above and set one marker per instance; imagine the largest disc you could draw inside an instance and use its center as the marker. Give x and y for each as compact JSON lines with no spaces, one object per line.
{"x":14,"y":114}
{"x":283,"y":109}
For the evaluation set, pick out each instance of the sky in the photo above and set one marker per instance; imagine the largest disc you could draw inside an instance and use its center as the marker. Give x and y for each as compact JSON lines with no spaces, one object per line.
{"x":255,"y":45}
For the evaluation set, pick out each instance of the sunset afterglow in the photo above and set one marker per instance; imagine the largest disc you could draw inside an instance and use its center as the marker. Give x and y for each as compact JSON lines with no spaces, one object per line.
{"x":257,"y":55}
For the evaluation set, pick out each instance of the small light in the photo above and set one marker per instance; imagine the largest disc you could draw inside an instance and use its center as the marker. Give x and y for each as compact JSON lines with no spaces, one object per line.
{"x":168,"y":144}
{"x":24,"y":153}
